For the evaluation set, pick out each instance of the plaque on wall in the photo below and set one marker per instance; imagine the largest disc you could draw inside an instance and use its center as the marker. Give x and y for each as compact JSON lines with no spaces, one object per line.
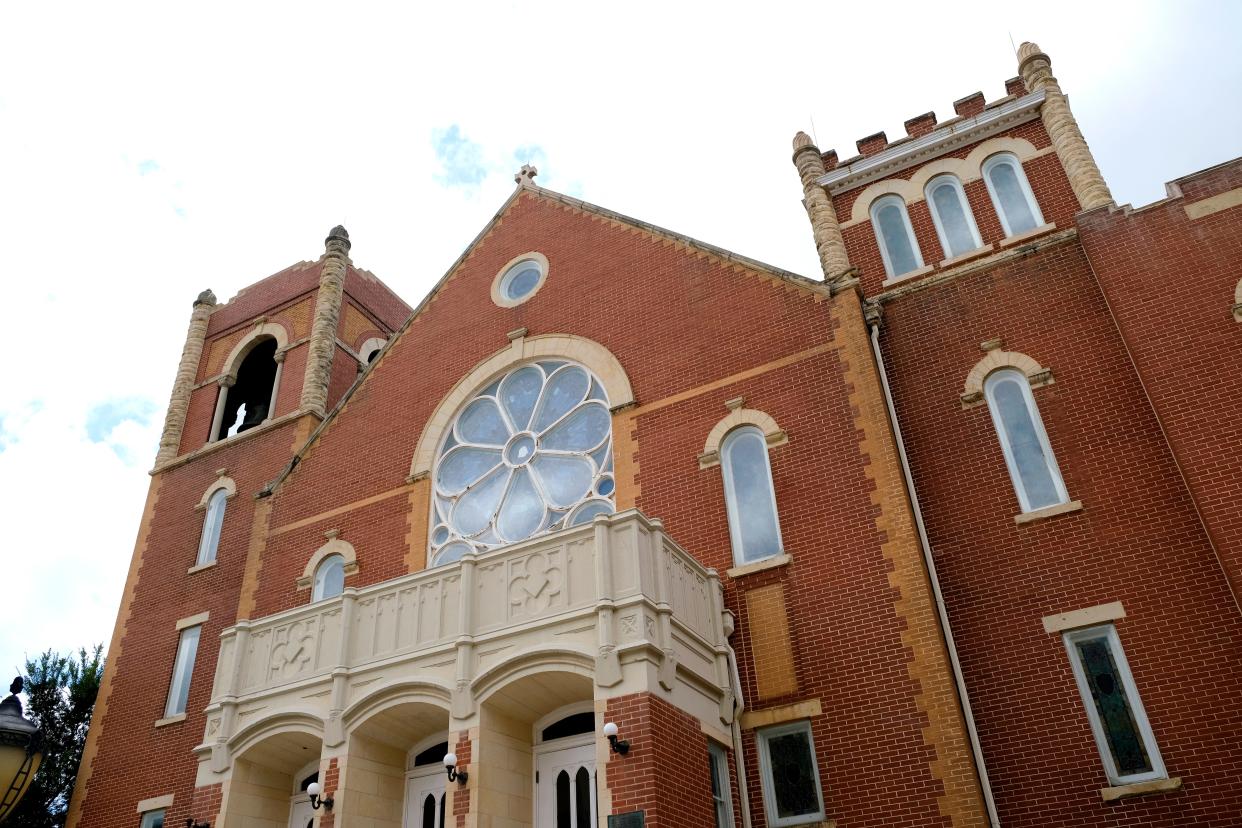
{"x":634,"y":819}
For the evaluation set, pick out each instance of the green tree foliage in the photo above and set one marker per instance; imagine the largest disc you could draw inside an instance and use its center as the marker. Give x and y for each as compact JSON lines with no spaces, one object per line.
{"x":61,"y":691}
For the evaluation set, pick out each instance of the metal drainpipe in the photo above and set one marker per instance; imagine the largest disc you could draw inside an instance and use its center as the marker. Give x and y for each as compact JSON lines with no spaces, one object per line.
{"x":739,"y":757}
{"x":958,"y":678}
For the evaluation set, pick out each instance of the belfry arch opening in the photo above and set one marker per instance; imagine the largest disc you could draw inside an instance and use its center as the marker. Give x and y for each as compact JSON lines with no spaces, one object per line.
{"x":251,"y":399}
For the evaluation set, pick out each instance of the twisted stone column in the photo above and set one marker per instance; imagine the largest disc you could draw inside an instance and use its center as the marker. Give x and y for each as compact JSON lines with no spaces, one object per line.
{"x":187,"y":371}
{"x":327,"y":316}
{"x":1071,"y":147}
{"x":824,"y":224}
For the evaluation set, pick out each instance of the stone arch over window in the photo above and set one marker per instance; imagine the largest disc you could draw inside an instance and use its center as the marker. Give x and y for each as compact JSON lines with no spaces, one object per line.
{"x":370,"y":349}
{"x":738,"y":416}
{"x":587,"y":353}
{"x":334,"y":546}
{"x":966,"y":170}
{"x":250,"y":381}
{"x":996,"y":359}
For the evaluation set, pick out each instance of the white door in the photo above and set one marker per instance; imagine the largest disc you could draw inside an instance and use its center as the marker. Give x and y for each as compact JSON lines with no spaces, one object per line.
{"x":424,"y":801}
{"x":565,"y":788}
{"x":301,"y":814}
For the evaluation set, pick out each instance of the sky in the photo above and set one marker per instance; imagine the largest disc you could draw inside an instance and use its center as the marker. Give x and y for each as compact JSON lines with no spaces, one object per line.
{"x":149,"y":151}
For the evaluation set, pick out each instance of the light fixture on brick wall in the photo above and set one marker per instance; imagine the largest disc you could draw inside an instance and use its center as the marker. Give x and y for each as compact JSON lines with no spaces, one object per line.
{"x":21,"y":751}
{"x":316,"y":800}
{"x":450,"y":767}
{"x":621,"y":746}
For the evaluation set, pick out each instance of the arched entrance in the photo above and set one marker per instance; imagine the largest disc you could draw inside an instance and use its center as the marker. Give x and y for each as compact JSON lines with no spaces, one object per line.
{"x":425,"y":799}
{"x":267,"y":785}
{"x":565,"y":784}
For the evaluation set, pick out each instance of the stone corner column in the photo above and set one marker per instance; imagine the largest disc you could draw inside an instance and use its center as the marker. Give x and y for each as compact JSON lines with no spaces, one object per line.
{"x":187,"y":372}
{"x":824,"y":225}
{"x":1035,"y":67}
{"x":322,"y":345}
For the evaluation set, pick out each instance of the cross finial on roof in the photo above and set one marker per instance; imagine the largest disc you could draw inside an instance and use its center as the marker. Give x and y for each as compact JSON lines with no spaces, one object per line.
{"x":526,"y":175}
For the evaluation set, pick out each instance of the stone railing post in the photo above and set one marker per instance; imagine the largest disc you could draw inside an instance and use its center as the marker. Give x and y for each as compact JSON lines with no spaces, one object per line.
{"x":1071,"y":147}
{"x":720,"y":645}
{"x":223,"y":384}
{"x":463,"y":697}
{"x":220,"y":757}
{"x":664,"y":610}
{"x":607,"y":663}
{"x":183,"y":385}
{"x":334,"y":730}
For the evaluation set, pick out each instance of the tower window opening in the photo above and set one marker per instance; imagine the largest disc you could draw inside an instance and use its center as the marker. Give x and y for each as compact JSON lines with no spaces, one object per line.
{"x":249,"y":401}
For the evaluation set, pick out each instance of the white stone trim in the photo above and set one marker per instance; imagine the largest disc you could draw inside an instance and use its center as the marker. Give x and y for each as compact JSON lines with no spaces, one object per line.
{"x":1047,"y":512}
{"x":949,"y":135}
{"x":995,"y":360}
{"x":758,"y":566}
{"x":773,"y":434}
{"x":374,"y":343}
{"x":588,"y":353}
{"x":905,"y":277}
{"x":1088,"y":617}
{"x":155,"y":803}
{"x":222,"y":481}
{"x":1155,"y":786}
{"x":504,"y":301}
{"x":334,"y":546}
{"x":167,"y":720}
{"x":967,"y":170}
{"x":1214,"y":204}
{"x":273,"y":329}
{"x":193,"y":621}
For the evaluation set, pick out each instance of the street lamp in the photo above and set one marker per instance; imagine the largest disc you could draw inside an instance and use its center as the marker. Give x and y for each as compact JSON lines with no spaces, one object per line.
{"x":21,"y":751}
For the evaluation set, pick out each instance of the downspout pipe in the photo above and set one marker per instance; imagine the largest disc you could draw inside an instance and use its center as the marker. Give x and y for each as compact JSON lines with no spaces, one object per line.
{"x":958,"y":678}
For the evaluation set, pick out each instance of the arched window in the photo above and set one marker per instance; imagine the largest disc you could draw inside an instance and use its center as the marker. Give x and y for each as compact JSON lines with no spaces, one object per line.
{"x":749,"y":496}
{"x":955,"y":225}
{"x":1011,"y":194}
{"x":329,"y":578}
{"x":209,"y":541}
{"x":893,"y":231}
{"x":1032,"y":466}
{"x":530,"y":453}
{"x":249,"y":402}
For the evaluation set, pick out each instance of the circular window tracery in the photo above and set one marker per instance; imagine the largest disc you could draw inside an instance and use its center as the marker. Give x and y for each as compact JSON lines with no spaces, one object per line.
{"x":531,"y":453}
{"x":520,"y":279}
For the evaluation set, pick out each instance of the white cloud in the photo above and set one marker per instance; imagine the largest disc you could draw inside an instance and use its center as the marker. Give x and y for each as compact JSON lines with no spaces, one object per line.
{"x":152,"y":150}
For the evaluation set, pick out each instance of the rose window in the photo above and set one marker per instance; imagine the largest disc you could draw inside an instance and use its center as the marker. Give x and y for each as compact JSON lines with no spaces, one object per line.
{"x":531,"y":453}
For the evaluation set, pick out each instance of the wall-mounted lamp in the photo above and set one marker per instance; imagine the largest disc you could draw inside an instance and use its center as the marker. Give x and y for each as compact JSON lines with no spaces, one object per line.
{"x":620,"y":746}
{"x":313,"y":789}
{"x":450,"y":767}
{"x":190,"y":823}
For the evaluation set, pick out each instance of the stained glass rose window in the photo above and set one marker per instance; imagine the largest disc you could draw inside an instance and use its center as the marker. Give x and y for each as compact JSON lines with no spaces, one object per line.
{"x":530,"y":453}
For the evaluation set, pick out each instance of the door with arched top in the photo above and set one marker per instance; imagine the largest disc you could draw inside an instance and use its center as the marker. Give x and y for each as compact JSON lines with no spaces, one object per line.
{"x":424,"y":800}
{"x":565,"y":788}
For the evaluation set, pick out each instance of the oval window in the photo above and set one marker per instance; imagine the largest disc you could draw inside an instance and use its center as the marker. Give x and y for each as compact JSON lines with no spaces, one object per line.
{"x":519,"y":280}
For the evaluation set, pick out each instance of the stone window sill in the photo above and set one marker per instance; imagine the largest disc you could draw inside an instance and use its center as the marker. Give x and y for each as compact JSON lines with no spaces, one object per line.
{"x":200,"y":567}
{"x":905,"y":277}
{"x":1029,"y":234}
{"x":967,"y":256}
{"x":1047,"y":512}
{"x":180,"y":717}
{"x":757,"y":566}
{"x":1155,"y":786}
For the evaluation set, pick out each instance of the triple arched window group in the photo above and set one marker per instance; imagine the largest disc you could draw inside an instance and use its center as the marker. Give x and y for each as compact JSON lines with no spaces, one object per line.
{"x":1011,"y":196}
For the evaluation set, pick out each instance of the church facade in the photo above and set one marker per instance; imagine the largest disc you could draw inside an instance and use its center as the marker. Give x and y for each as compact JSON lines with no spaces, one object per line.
{"x":620,"y":528}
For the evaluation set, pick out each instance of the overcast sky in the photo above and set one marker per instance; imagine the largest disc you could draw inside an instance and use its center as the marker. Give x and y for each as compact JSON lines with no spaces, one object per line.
{"x":149,"y":152}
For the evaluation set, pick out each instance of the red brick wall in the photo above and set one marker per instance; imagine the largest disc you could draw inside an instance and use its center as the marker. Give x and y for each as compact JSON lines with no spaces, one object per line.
{"x":1170,"y":284}
{"x":665,"y":773}
{"x":1137,"y":540}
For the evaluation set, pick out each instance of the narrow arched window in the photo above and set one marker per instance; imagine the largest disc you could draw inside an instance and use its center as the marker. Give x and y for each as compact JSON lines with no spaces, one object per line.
{"x":749,"y":496}
{"x":893,"y":231}
{"x":1011,"y":194}
{"x":955,"y":225}
{"x":329,"y":578}
{"x":1032,"y":466}
{"x":209,"y":541}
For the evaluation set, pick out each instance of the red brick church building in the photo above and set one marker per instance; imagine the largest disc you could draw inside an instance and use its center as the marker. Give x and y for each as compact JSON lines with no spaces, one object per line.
{"x":619,"y":528}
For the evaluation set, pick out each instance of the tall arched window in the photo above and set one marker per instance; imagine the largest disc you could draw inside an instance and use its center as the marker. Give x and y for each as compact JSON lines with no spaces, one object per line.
{"x":1032,"y":466}
{"x":530,"y":453}
{"x":209,"y":541}
{"x":329,"y":578}
{"x":749,"y":495}
{"x":955,"y":225}
{"x":1011,"y":194}
{"x":898,"y":247}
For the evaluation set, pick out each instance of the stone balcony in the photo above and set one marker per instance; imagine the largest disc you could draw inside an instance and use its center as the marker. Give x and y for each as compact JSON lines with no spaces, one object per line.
{"x":616,"y":600}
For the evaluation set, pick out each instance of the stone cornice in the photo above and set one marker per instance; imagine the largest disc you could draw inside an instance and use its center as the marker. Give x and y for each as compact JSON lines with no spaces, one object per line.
{"x":950,"y":135}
